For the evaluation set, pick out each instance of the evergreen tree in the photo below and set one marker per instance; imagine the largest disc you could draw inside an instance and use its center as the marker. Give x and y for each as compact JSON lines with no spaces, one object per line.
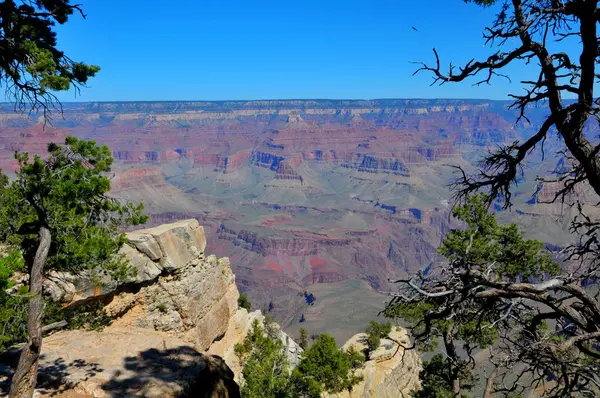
{"x":266,"y":370}
{"x":375,"y":332}
{"x":243,"y":302}
{"x":32,"y":67}
{"x":265,"y":366}
{"x":303,"y":341}
{"x":58,"y":214}
{"x":484,"y":294}
{"x":324,"y":367}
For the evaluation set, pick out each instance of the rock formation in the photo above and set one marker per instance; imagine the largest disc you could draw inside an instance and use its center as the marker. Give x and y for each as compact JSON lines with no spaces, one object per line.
{"x":390,"y":372}
{"x":176,"y":318}
{"x":294,"y":192}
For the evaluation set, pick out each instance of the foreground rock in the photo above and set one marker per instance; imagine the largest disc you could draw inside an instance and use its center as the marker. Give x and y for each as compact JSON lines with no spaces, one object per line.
{"x":129,"y":362}
{"x":152,"y":252}
{"x":175,"y":327}
{"x":391,"y":372}
{"x":177,"y":314}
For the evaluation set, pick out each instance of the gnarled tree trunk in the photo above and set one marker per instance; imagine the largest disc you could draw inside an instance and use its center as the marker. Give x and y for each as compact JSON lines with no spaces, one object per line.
{"x":452,"y":358}
{"x":25,"y":377}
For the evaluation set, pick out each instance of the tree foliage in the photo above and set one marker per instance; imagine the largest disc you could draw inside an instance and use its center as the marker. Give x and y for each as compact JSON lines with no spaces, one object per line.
{"x":375,"y":332}
{"x":497,"y":291}
{"x":243,"y":302}
{"x":13,"y":308}
{"x":544,"y":322}
{"x":58,"y":214}
{"x":267,"y":373}
{"x":265,"y":365}
{"x":303,"y":341}
{"x":438,"y":382}
{"x":32,"y":67}
{"x":324,"y":366}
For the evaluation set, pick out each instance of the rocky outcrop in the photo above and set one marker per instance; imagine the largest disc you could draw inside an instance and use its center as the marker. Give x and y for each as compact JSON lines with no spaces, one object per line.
{"x":127,"y":362}
{"x":390,"y":372}
{"x":374,"y":164}
{"x":177,"y":318}
{"x":151,"y":252}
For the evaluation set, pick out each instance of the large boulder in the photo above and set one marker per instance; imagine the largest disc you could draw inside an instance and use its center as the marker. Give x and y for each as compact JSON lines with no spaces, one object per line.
{"x":197,"y":302}
{"x":152,"y":252}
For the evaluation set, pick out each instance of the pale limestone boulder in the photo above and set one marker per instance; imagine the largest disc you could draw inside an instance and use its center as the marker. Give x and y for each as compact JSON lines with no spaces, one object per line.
{"x":146,"y":268}
{"x":172,"y":245}
{"x":152,"y":252}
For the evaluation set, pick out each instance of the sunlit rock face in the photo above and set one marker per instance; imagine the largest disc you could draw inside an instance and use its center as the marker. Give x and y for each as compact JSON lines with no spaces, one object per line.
{"x":298,"y":193}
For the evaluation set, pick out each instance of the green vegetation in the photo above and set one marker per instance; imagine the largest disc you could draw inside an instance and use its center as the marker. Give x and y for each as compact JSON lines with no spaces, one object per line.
{"x":375,"y":332}
{"x":32,"y":66}
{"x":499,"y":287}
{"x":265,"y":366}
{"x":303,"y":341}
{"x":58,"y":214}
{"x":90,"y":316}
{"x":13,"y":308}
{"x":324,"y":367}
{"x":243,"y":302}
{"x":463,"y":302}
{"x":437,"y":382}
{"x":266,"y":370}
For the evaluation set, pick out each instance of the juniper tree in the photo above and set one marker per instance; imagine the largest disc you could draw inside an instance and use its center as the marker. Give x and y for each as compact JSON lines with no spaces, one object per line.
{"x":266,"y":370}
{"x":32,"y":67}
{"x":502,"y":292}
{"x":560,"y":39}
{"x":58,"y":213}
{"x":375,"y":332}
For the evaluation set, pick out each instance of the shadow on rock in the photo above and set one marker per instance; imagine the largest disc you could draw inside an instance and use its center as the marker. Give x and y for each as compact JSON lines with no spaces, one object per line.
{"x":176,"y":372}
{"x":53,"y":377}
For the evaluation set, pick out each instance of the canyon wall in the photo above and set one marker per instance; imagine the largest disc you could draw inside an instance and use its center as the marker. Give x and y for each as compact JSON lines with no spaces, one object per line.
{"x":298,"y":193}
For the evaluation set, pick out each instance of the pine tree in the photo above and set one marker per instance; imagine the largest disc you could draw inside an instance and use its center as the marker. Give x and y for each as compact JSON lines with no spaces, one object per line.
{"x":58,"y":213}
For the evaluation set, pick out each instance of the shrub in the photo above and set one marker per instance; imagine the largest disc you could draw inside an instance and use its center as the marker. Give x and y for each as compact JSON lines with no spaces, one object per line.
{"x":243,"y":302}
{"x":375,"y":332}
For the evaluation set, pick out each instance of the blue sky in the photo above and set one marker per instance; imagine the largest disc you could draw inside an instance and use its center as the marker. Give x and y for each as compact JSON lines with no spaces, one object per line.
{"x":236,"y":50}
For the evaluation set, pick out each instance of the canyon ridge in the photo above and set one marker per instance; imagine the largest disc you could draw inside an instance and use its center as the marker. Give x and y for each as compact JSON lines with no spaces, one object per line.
{"x":315,"y":202}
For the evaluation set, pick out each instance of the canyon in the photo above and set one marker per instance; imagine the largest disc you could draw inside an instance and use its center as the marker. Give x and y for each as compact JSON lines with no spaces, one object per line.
{"x":305,"y":194}
{"x":175,"y":323}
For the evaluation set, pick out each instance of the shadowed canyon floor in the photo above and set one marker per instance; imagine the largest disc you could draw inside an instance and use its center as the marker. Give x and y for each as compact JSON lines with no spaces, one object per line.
{"x":323,"y":197}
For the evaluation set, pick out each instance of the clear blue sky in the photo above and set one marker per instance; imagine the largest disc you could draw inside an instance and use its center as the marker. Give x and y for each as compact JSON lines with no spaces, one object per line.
{"x":235,"y":50}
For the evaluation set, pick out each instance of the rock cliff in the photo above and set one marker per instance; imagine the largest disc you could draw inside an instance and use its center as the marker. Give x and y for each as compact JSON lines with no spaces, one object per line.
{"x":177,"y":317}
{"x":390,"y":372}
{"x":175,"y":326}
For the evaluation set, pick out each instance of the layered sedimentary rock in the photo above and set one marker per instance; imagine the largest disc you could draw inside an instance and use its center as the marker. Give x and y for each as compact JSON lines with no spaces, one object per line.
{"x":298,"y":192}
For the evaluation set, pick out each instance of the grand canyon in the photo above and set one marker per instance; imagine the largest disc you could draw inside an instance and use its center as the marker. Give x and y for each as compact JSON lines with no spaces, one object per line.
{"x":310,"y":198}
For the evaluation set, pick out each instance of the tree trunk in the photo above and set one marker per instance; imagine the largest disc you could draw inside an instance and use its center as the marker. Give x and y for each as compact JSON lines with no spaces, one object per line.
{"x":452,"y":360}
{"x":25,"y":377}
{"x":489,"y":389}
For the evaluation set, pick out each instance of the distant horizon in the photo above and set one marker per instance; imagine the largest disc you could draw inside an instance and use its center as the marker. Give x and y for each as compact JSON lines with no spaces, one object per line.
{"x":284,"y":100}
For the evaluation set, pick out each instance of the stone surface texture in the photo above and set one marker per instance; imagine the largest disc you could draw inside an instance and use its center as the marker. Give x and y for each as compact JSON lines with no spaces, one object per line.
{"x":391,"y":372}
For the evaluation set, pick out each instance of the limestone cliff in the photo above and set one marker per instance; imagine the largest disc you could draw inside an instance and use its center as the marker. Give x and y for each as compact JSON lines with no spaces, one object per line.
{"x":178,"y":318}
